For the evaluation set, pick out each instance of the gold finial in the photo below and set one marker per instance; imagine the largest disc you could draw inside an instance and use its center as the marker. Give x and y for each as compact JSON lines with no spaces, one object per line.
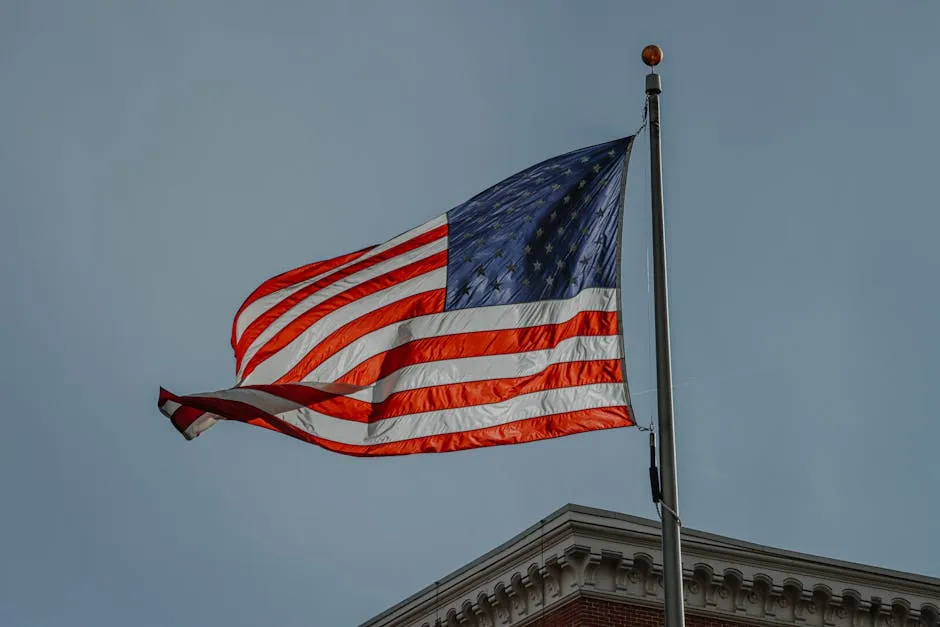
{"x":652,"y":55}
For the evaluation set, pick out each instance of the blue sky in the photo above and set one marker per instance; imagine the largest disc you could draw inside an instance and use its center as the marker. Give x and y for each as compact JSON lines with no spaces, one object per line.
{"x":159,"y":160}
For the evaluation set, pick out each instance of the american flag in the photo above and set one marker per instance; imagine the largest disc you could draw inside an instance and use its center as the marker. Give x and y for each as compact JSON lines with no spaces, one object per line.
{"x":496,"y":323}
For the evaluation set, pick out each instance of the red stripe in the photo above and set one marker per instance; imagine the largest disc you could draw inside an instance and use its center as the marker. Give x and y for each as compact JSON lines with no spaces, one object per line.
{"x":257,"y":326}
{"x":517,"y":432}
{"x":292,"y":277}
{"x":589,"y":323}
{"x":455,"y":395}
{"x":328,"y":403}
{"x":184,"y":415}
{"x":303,"y":322}
{"x":450,"y":396}
{"x":421,"y":304}
{"x":228,"y":410}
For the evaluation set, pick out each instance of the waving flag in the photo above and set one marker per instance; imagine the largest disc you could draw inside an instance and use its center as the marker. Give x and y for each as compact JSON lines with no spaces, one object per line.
{"x":495,"y":323}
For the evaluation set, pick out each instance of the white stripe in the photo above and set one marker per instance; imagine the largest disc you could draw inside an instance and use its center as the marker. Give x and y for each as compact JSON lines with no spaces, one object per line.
{"x":363,"y":276}
{"x":495,"y":318}
{"x":282,"y":361}
{"x":254,"y":310}
{"x":467,"y":369}
{"x":200,"y":424}
{"x":169,"y":408}
{"x":430,"y":423}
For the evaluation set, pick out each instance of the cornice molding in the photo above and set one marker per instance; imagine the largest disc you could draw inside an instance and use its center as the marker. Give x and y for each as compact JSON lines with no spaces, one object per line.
{"x":582,"y":552}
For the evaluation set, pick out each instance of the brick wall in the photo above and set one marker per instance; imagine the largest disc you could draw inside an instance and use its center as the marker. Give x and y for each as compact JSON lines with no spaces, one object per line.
{"x":597,"y":613}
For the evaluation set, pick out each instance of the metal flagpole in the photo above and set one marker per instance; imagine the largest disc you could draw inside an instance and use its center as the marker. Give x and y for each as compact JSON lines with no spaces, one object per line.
{"x":672,"y":551}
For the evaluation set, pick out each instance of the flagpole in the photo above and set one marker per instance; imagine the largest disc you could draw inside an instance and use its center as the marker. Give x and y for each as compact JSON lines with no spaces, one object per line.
{"x":672,"y":551}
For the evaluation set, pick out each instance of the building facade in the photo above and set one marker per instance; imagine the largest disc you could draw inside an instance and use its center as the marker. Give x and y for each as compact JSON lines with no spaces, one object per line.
{"x":585,"y":567}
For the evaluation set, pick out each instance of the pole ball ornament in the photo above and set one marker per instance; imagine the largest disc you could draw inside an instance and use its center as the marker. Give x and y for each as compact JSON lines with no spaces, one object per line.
{"x":652,"y":55}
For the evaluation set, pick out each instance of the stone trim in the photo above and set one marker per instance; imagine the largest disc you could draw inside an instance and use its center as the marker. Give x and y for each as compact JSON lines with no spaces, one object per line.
{"x":581,"y":552}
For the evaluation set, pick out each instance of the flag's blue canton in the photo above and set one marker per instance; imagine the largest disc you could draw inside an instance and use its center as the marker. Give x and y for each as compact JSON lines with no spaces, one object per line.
{"x":545,"y":233}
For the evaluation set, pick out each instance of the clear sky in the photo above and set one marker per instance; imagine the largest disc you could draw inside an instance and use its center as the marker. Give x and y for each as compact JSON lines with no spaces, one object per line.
{"x":159,"y":160}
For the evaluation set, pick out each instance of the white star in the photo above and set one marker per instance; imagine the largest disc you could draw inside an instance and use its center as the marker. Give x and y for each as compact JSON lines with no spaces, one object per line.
{"x":568,"y":172}
{"x":548,"y":247}
{"x":611,"y":152}
{"x":552,"y":216}
{"x":539,"y":233}
{"x":537,"y":265}
{"x":525,"y":281}
{"x":556,"y":187}
{"x":550,"y":280}
{"x":572,"y":247}
{"x":560,"y":263}
{"x":525,"y":192}
{"x":597,"y":168}
{"x":574,"y":215}
{"x":561,"y":230}
{"x":528,"y":249}
{"x":567,"y":199}
{"x":539,"y":202}
{"x":582,"y":184}
{"x":584,"y":159}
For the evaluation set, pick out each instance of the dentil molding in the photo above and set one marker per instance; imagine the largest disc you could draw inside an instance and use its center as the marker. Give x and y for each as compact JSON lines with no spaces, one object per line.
{"x":585,"y":552}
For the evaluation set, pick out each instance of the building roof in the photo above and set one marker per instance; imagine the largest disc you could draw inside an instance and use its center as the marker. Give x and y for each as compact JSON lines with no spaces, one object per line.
{"x":584,"y":551}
